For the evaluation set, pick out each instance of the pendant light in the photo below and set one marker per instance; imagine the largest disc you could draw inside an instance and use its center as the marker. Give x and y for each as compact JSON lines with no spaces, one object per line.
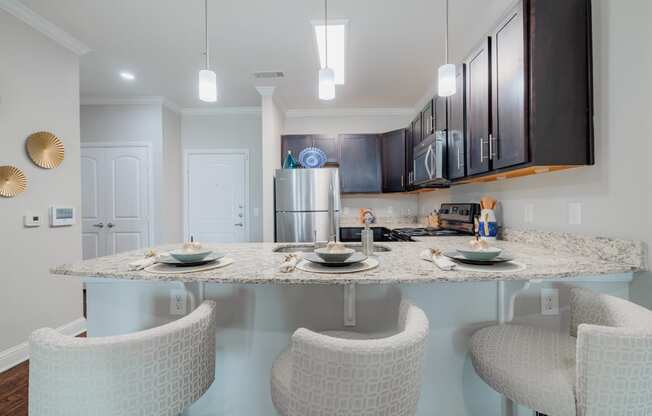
{"x":447,"y":77}
{"x":326,"y":74}
{"x":207,"y":78}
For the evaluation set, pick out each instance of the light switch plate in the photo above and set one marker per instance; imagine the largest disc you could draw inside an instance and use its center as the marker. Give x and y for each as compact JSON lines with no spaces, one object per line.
{"x":575,"y":213}
{"x":31,"y":220}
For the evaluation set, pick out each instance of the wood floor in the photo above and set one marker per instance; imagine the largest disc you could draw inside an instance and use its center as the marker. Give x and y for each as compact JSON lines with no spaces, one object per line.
{"x":13,"y":391}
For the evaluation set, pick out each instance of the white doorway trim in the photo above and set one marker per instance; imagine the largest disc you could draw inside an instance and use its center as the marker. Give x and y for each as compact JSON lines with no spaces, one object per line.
{"x":150,"y":174}
{"x":186,"y":155}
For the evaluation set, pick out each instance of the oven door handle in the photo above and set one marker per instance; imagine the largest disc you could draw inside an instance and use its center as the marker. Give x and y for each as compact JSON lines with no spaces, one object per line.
{"x":427,"y":162}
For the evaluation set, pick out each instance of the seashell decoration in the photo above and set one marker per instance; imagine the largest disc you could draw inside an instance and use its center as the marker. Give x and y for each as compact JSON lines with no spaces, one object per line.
{"x":45,"y":149}
{"x":12,"y":181}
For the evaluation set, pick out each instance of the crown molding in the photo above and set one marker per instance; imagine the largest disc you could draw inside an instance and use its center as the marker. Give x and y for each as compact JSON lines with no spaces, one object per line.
{"x":41,"y":24}
{"x":153,"y":100}
{"x":208,"y":111}
{"x":349,"y":112}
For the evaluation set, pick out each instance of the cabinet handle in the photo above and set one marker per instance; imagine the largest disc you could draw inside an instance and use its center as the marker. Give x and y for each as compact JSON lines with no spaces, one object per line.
{"x":99,"y":225}
{"x":459,"y":154}
{"x":493,"y":146}
{"x":402,"y":185}
{"x":110,"y":225}
{"x":482,"y":156}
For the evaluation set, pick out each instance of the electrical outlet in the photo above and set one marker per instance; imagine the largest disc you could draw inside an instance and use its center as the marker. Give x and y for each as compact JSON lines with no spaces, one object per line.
{"x":550,"y":301}
{"x":178,"y":302}
{"x":529,"y":214}
{"x":575,"y":213}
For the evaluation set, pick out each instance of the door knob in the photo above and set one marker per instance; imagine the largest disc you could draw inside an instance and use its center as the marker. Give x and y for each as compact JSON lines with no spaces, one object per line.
{"x":99,"y":225}
{"x":240,"y":215}
{"x":239,"y":224}
{"x":110,"y":225}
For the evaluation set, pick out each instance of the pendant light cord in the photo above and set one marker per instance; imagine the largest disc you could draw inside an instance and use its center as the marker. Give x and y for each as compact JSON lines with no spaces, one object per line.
{"x":206,"y":34}
{"x":446,"y":35}
{"x":326,"y":31}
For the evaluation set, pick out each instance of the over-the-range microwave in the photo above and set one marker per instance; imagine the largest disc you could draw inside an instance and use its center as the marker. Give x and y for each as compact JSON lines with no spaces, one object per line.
{"x":429,"y":168}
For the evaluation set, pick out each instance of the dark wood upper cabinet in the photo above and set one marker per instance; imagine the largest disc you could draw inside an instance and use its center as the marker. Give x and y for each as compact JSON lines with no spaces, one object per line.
{"x":508,"y":142}
{"x":440,"y":113}
{"x":427,"y":120}
{"x":416,"y":130}
{"x":409,"y":152}
{"x":393,"y":160}
{"x":360,"y":168}
{"x":297,"y":142}
{"x":478,"y":125}
{"x":457,"y":127}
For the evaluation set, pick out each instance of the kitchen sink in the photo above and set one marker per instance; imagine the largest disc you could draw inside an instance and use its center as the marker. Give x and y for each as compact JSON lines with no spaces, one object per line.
{"x":309,"y":248}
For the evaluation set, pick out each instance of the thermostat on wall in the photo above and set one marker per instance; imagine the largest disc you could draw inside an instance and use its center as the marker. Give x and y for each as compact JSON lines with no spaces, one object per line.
{"x":62,"y":216}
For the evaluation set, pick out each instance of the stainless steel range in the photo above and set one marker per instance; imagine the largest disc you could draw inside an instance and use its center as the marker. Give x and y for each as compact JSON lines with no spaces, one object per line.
{"x":454,"y":220}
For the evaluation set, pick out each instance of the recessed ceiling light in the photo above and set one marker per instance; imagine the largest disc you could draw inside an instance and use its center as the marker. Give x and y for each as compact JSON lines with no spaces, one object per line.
{"x":127,"y":76}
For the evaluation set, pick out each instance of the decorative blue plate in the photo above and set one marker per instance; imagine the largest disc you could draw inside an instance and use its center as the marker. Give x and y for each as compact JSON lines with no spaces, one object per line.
{"x":312,"y":157}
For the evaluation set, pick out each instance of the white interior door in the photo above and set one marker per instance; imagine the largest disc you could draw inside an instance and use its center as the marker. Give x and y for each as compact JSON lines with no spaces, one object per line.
{"x":115,"y":200}
{"x":216,"y":197}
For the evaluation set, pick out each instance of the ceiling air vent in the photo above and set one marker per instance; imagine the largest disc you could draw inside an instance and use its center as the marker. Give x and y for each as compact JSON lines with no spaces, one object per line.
{"x":269,"y":74}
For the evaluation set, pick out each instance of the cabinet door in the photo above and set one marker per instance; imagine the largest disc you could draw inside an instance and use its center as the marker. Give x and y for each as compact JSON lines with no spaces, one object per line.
{"x":297,"y":142}
{"x":456,"y":127}
{"x":416,"y":130}
{"x":440,"y":111}
{"x":393,"y":160}
{"x":360,"y":163}
{"x":329,"y":145}
{"x":409,"y":152}
{"x":478,"y":109}
{"x":427,"y":120}
{"x":508,"y":145}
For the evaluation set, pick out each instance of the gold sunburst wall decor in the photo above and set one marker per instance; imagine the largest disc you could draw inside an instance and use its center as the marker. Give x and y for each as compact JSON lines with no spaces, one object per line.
{"x":12,"y":181}
{"x":45,"y":149}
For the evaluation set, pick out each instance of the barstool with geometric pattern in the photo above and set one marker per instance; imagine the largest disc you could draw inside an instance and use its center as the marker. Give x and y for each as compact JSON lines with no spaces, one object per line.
{"x":347,"y":373}
{"x":604,"y":367}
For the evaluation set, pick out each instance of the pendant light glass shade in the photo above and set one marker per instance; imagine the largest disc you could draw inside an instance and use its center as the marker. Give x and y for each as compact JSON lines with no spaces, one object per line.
{"x":207,"y":86}
{"x":447,"y":80}
{"x":326,"y":84}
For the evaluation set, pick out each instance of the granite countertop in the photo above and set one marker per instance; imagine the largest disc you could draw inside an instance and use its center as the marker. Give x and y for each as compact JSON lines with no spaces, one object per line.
{"x":256,"y":263}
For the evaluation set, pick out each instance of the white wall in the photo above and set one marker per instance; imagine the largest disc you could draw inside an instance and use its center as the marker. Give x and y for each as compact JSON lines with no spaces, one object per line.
{"x":39,"y":90}
{"x":131,"y":123}
{"x":231,"y":131}
{"x":615,"y":193}
{"x":172,"y":192}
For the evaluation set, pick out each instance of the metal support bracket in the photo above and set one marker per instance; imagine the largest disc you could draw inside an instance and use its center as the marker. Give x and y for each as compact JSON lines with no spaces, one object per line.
{"x":349,"y":305}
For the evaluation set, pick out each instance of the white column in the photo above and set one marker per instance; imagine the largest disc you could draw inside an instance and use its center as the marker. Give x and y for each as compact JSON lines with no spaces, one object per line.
{"x":273,"y":119}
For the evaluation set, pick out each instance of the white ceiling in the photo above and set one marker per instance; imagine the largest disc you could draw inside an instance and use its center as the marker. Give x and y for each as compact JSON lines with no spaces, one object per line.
{"x":393,"y":50}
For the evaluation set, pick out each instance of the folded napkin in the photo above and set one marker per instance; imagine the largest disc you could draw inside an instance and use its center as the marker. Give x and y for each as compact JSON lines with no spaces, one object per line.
{"x":150,"y":259}
{"x":141,"y":264}
{"x":290,"y":262}
{"x":444,"y":263}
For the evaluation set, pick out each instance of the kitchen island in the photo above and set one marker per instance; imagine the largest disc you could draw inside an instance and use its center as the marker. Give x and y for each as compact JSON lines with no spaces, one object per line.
{"x":259,"y":307}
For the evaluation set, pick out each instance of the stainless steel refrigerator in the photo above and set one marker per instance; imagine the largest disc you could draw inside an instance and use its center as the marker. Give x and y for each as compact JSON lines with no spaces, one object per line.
{"x":307,"y":204}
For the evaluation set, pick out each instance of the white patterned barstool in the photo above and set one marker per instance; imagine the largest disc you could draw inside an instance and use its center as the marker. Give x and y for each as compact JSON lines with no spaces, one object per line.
{"x":155,"y":372}
{"x":348,"y":373}
{"x":604,"y":367}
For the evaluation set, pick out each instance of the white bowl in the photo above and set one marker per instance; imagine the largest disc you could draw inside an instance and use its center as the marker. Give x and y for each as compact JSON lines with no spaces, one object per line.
{"x":336,"y":257}
{"x":486,"y":254}
{"x":190,"y":256}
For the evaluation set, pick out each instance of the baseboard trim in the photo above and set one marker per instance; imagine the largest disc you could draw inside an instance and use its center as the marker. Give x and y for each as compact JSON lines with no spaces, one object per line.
{"x":15,"y":355}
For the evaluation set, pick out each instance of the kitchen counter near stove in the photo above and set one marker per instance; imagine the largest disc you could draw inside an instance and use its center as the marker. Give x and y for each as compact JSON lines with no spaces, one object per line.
{"x":545,"y":255}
